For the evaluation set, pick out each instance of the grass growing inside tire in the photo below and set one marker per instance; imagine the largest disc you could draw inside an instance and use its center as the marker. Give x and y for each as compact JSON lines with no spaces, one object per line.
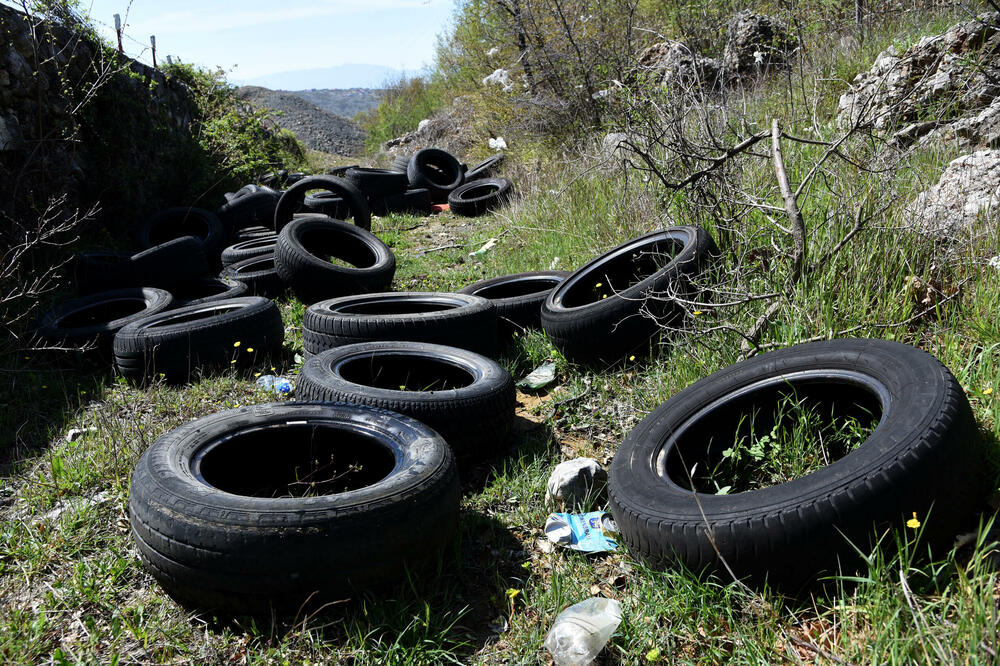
{"x":798,"y":437}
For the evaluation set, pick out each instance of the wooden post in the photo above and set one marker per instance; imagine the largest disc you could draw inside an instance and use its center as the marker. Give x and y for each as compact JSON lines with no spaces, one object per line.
{"x":170,"y":60}
{"x":118,"y":31}
{"x":152,"y":41}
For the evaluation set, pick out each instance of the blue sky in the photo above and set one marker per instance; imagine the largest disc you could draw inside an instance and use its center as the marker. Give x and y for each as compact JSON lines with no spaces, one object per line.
{"x":254,"y":38}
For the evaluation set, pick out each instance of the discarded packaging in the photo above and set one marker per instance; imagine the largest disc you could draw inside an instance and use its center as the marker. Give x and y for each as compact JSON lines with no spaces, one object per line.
{"x":540,"y":377}
{"x":487,"y":246}
{"x":273,"y":384}
{"x":593,"y":532}
{"x":581,"y":631}
{"x":575,"y":481}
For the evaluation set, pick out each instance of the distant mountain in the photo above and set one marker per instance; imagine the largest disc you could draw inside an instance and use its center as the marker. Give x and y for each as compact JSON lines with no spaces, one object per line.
{"x":340,"y":76}
{"x":345,"y":103}
{"x":316,"y":128}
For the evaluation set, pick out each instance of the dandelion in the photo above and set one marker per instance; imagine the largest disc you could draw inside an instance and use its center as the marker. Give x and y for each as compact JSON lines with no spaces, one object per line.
{"x":988,"y":390}
{"x":604,"y":296}
{"x":632,"y":357}
{"x":256,"y":375}
{"x":697,"y":312}
{"x":250,"y":349}
{"x":232,"y":362}
{"x":512,"y":593}
{"x":237,"y":343}
{"x":598,"y":285}
{"x":913,"y":523}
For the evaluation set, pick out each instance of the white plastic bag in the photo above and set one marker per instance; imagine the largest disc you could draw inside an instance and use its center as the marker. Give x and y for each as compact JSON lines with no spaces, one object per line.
{"x":581,"y":631}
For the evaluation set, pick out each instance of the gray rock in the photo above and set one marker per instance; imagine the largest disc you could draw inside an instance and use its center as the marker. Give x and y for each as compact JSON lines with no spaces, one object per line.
{"x":756,"y":44}
{"x":968,"y":188}
{"x":672,"y":63}
{"x":11,"y":137}
{"x":942,"y":78}
{"x":575,"y":481}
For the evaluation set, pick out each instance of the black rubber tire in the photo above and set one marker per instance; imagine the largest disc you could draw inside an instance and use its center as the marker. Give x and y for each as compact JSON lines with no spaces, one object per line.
{"x":474,"y":418}
{"x":518,"y":298}
{"x":280,"y":178}
{"x":96,"y":318}
{"x":925,"y":451}
{"x":341,"y":170}
{"x":478,"y":197}
{"x":457,"y":320}
{"x":301,"y":258}
{"x":254,"y":233}
{"x":258,"y":247}
{"x":596,"y":331}
{"x":207,"y":290}
{"x":326,"y":203}
{"x":163,"y":266}
{"x":245,"y":555}
{"x":173,"y":223}
{"x":377,"y":183}
{"x":291,"y":200}
{"x":485,"y":169}
{"x":400,"y":163}
{"x":416,"y":201}
{"x":251,"y":209}
{"x":89,"y":269}
{"x":259,"y":275}
{"x":179,"y":342}
{"x":435,"y":170}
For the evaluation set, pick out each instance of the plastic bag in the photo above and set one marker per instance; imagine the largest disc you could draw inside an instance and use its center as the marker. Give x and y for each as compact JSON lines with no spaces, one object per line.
{"x":581,"y":631}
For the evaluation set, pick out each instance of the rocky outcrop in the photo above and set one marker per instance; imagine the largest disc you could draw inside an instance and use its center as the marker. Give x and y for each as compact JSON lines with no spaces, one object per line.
{"x":314,"y":127}
{"x":448,"y":128}
{"x":943,"y":87}
{"x":756,"y":44}
{"x":672,"y":63}
{"x":968,"y":190}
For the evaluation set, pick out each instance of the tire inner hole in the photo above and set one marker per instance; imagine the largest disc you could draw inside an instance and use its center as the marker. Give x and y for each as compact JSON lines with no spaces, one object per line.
{"x":480,"y":191}
{"x":103,"y":312}
{"x":519,"y":288}
{"x":395,"y":307}
{"x":199,"y":289}
{"x":405,"y":372}
{"x":208,"y":312}
{"x":772,"y":435}
{"x":301,"y":460}
{"x":339,"y":248}
{"x":621,"y":272}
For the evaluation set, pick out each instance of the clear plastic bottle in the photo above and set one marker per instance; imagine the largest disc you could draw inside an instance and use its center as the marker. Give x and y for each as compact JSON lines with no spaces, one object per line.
{"x":581,"y":631}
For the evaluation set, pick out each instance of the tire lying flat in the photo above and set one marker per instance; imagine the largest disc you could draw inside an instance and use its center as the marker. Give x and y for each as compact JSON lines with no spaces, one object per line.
{"x":218,"y":519}
{"x":179,"y":342}
{"x":96,"y":318}
{"x":614,"y":304}
{"x":466,"y":397}
{"x":923,"y":456}
{"x":480,"y":196}
{"x":456,"y":320}
{"x":518,"y":298}
{"x":302,"y":258}
{"x":249,"y":249}
{"x":258,"y":274}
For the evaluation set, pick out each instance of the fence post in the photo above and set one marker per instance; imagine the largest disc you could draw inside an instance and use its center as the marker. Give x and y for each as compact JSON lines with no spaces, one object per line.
{"x":118,"y":31}
{"x":152,"y":41}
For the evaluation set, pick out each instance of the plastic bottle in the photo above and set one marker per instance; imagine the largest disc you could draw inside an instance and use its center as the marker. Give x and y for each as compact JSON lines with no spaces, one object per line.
{"x":273,"y":384}
{"x":581,"y":631}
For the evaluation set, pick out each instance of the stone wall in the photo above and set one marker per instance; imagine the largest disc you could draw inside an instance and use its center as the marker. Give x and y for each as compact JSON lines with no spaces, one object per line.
{"x":80,"y":120}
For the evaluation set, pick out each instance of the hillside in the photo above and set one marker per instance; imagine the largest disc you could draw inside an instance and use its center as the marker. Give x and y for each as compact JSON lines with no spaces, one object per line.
{"x":342,"y":102}
{"x":774,"y":344}
{"x":314,"y":127}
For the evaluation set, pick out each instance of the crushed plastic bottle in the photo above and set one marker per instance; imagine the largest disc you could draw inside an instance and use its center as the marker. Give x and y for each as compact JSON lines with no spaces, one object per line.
{"x":581,"y":631}
{"x":273,"y":384}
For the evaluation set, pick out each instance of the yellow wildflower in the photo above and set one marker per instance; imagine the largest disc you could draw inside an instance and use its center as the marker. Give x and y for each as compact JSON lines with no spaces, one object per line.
{"x":988,"y":390}
{"x":237,"y":343}
{"x":249,"y":349}
{"x":913,"y":523}
{"x":697,"y":312}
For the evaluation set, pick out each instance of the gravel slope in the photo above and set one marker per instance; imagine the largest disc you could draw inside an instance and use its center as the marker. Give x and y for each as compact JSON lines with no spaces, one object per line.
{"x":314,"y":127}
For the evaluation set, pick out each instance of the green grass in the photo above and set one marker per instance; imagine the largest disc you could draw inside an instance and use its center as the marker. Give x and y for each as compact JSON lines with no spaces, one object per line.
{"x":72,"y":589}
